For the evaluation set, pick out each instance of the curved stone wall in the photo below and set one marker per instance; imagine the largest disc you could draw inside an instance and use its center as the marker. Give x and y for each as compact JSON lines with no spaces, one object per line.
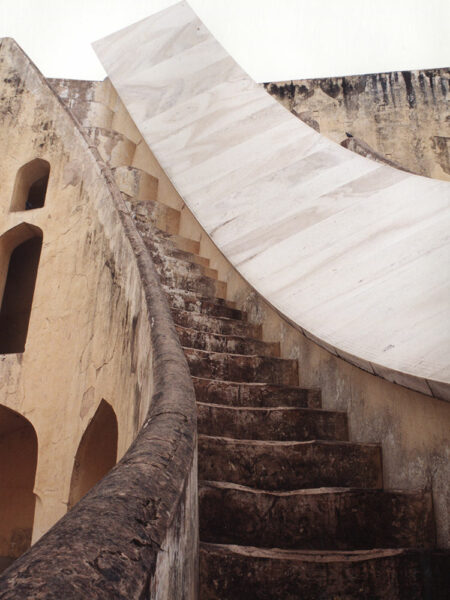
{"x":100,"y":329}
{"x":352,"y":252}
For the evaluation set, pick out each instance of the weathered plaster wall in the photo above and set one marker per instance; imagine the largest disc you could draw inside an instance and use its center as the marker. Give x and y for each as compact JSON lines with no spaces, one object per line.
{"x":412,"y":428}
{"x":100,"y":328}
{"x":404,"y":116}
{"x":87,"y":338}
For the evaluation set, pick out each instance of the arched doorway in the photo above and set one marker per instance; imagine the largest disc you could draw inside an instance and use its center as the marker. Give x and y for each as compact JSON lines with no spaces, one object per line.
{"x":18,"y":459}
{"x":96,"y":454}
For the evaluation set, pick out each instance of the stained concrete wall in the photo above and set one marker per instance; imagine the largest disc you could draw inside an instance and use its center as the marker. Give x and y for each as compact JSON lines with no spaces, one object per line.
{"x":403,"y":115}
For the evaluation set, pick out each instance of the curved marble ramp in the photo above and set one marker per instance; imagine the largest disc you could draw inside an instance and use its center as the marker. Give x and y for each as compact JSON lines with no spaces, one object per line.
{"x":355,"y":254}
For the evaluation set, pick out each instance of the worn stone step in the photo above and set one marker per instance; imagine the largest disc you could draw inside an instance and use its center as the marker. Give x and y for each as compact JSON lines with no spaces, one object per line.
{"x":136,"y":183}
{"x":186,"y":244}
{"x":185,"y":279}
{"x":254,"y":394}
{"x":195,"y":296}
{"x":283,"y":466}
{"x":206,"y":306}
{"x":234,"y":344}
{"x":230,"y":572}
{"x":150,"y":212}
{"x":114,"y":147}
{"x":182,"y":267}
{"x":282,"y":424}
{"x":316,"y":519}
{"x":211,"y":324}
{"x":241,"y":367}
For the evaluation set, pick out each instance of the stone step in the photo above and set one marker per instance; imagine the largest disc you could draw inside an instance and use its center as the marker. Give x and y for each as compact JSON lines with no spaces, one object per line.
{"x":194,"y":297}
{"x":254,"y":394}
{"x":317,"y":519}
{"x":283,"y":466}
{"x":207,"y":307}
{"x":136,"y":183}
{"x":150,"y":212}
{"x":233,"y":344}
{"x":234,"y":572}
{"x":211,"y":324}
{"x":160,"y":240}
{"x":241,"y":367}
{"x":285,"y":424}
{"x":183,"y":278}
{"x":186,"y":244}
{"x":182,"y":267}
{"x":114,"y":147}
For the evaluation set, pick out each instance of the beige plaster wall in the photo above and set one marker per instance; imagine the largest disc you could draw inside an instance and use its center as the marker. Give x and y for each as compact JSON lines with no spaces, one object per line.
{"x":404,"y":116}
{"x":88,"y":336}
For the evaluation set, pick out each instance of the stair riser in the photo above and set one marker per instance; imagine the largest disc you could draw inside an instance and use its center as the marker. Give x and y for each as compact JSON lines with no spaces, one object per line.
{"x":210,"y":324}
{"x":234,"y":367}
{"x":271,"y":424}
{"x":191,"y":338}
{"x":353,"y":520}
{"x":194,"y":283}
{"x":235,"y":394}
{"x":289,"y":465}
{"x":206,"y":307}
{"x":413,"y":576}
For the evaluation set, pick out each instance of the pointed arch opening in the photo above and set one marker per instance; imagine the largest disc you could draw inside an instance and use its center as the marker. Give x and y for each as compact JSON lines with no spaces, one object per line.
{"x":96,"y":454}
{"x":30,"y":187}
{"x":20,"y":251}
{"x":18,"y":459}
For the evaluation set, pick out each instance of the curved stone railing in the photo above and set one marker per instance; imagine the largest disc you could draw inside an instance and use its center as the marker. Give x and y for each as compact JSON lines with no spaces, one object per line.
{"x":353,"y":253}
{"x":134,"y":535}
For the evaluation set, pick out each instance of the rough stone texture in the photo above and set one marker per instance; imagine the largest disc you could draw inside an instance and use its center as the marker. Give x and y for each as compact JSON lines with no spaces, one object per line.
{"x":289,"y":465}
{"x":318,"y":519}
{"x":134,"y":535}
{"x":254,"y":394}
{"x":403,"y":116}
{"x":233,"y":344}
{"x":237,"y":367}
{"x":282,"y":424}
{"x":227,"y":573}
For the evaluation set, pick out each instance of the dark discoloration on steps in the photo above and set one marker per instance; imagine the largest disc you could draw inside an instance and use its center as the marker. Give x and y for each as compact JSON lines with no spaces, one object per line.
{"x":240,"y":367}
{"x":320,"y":519}
{"x":282,"y":424}
{"x":254,"y":394}
{"x":289,"y":465}
{"x":231,"y":572}
{"x":212,"y":324}
{"x":232,"y":344}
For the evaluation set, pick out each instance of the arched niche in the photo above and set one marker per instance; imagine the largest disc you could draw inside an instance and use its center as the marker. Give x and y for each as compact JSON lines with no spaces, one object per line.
{"x":30,"y":186}
{"x":96,"y":454}
{"x":18,"y":458}
{"x":20,"y":251}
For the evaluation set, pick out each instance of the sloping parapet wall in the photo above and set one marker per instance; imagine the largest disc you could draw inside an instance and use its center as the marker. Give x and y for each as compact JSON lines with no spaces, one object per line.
{"x":402,"y":115}
{"x":352,"y":252}
{"x":100,"y":328}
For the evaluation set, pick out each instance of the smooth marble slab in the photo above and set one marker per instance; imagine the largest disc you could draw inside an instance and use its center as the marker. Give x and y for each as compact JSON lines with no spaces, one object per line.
{"x":355,"y":253}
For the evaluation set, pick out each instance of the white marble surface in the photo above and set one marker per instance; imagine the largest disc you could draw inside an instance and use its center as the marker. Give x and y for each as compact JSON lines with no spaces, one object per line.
{"x":355,"y":253}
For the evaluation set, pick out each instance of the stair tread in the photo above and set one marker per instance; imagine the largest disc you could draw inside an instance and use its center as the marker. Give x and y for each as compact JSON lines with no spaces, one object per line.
{"x":310,"y":555}
{"x":265,"y":409}
{"x":281,"y":443}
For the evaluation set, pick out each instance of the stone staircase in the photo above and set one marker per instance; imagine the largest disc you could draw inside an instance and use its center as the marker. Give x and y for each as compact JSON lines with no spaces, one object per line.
{"x":289,"y":507}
